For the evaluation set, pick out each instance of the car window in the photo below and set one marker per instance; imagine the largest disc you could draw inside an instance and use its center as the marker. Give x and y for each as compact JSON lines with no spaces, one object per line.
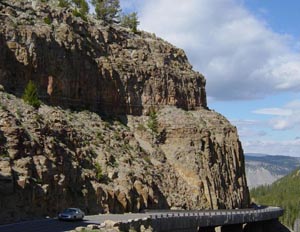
{"x":69,"y":211}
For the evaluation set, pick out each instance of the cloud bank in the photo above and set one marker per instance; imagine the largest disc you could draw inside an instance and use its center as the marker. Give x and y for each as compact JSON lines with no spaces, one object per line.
{"x":285,"y":147}
{"x":284,"y":118}
{"x":241,"y":57}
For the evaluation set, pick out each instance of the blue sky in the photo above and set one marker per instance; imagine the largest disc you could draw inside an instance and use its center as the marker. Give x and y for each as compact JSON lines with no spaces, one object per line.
{"x":248,"y":51}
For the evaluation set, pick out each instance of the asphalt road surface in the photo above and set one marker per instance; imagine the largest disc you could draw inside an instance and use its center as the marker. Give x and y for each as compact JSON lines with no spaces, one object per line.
{"x":54,"y":225}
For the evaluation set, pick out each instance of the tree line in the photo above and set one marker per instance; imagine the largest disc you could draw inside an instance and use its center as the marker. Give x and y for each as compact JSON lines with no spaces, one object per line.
{"x":284,"y":193}
{"x":106,"y":10}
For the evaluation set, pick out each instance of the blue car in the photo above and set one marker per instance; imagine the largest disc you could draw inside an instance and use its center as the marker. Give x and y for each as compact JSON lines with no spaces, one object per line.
{"x":71,"y":214}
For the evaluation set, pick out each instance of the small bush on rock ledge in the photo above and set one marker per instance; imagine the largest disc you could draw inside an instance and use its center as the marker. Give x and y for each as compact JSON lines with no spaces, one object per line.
{"x":30,"y":95}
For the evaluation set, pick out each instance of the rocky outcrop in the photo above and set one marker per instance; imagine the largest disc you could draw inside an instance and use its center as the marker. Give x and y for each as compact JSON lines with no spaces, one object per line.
{"x":54,"y":157}
{"x":203,"y":148}
{"x":92,"y":65}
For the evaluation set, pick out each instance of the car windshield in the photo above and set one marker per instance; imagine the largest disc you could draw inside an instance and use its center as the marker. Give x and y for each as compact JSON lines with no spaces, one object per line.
{"x":69,"y":211}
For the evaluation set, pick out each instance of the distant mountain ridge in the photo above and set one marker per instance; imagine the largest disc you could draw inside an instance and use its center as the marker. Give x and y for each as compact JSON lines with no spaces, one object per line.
{"x":262,"y":169}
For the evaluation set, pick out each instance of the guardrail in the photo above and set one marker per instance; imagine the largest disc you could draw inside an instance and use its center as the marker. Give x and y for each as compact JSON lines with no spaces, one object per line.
{"x":190,"y":221}
{"x":222,"y":217}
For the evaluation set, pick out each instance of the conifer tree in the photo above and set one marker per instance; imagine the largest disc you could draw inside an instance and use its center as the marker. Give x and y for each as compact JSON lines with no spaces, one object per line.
{"x":30,"y":95}
{"x":82,"y":5}
{"x":107,"y":10}
{"x":153,"y":122}
{"x":130,"y":21}
{"x":64,"y":3}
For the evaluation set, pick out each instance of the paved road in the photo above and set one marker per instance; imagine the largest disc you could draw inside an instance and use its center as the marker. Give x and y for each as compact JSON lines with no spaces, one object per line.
{"x":54,"y":225}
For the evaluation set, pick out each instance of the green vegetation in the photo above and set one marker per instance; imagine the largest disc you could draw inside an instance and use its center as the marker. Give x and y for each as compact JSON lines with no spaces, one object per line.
{"x":4,"y":155}
{"x":107,"y":10}
{"x":147,"y":159}
{"x":47,"y":20}
{"x":141,"y":127}
{"x":77,"y":13}
{"x":64,"y":3}
{"x":99,"y":174}
{"x":130,"y":21}
{"x":284,"y":193}
{"x":152,"y":121}
{"x":82,"y":5}
{"x":30,"y":95}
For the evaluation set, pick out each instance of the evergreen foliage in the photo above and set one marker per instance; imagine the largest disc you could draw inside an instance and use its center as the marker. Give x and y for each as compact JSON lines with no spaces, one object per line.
{"x":47,"y":20}
{"x":130,"y":21}
{"x":107,"y":10}
{"x":82,"y":5}
{"x":153,"y":122}
{"x":284,"y":193}
{"x":30,"y":95}
{"x":81,"y":9}
{"x":77,"y":13}
{"x":99,"y":174}
{"x":64,"y":3}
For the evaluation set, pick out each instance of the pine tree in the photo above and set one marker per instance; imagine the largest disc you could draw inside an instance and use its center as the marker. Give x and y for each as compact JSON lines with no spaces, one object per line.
{"x":30,"y":95}
{"x":107,"y":10}
{"x":81,"y":8}
{"x":64,"y":3}
{"x":153,"y":122}
{"x":130,"y":21}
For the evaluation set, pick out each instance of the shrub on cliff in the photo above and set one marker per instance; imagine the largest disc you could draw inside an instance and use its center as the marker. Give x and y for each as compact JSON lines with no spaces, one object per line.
{"x":81,"y":9}
{"x":130,"y":21}
{"x":152,"y":121}
{"x":82,"y":5}
{"x":64,"y":3}
{"x":77,"y":13}
{"x":107,"y":10}
{"x":30,"y":95}
{"x":47,"y":20}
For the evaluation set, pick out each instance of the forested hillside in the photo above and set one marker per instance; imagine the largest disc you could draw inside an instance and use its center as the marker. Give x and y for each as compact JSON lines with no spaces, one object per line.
{"x":284,"y":192}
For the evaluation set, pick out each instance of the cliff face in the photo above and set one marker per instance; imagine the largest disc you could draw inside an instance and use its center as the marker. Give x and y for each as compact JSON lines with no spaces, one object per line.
{"x":90,"y":65}
{"x":53,"y":158}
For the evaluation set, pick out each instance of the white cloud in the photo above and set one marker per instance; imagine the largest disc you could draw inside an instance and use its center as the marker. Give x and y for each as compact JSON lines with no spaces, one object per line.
{"x":285,"y":147}
{"x":274,"y":111}
{"x":241,"y":57}
{"x":286,"y":117}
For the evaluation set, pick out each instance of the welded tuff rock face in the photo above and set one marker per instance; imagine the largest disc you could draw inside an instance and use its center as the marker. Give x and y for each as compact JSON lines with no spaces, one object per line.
{"x":90,"y":65}
{"x":53,"y":157}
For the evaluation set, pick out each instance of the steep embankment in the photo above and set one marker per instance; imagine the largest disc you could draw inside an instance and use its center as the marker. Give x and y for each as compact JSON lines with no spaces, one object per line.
{"x":53,"y":157}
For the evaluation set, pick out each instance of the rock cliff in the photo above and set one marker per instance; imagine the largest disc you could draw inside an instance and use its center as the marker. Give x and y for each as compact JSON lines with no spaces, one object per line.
{"x":91,"y":64}
{"x":106,"y":158}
